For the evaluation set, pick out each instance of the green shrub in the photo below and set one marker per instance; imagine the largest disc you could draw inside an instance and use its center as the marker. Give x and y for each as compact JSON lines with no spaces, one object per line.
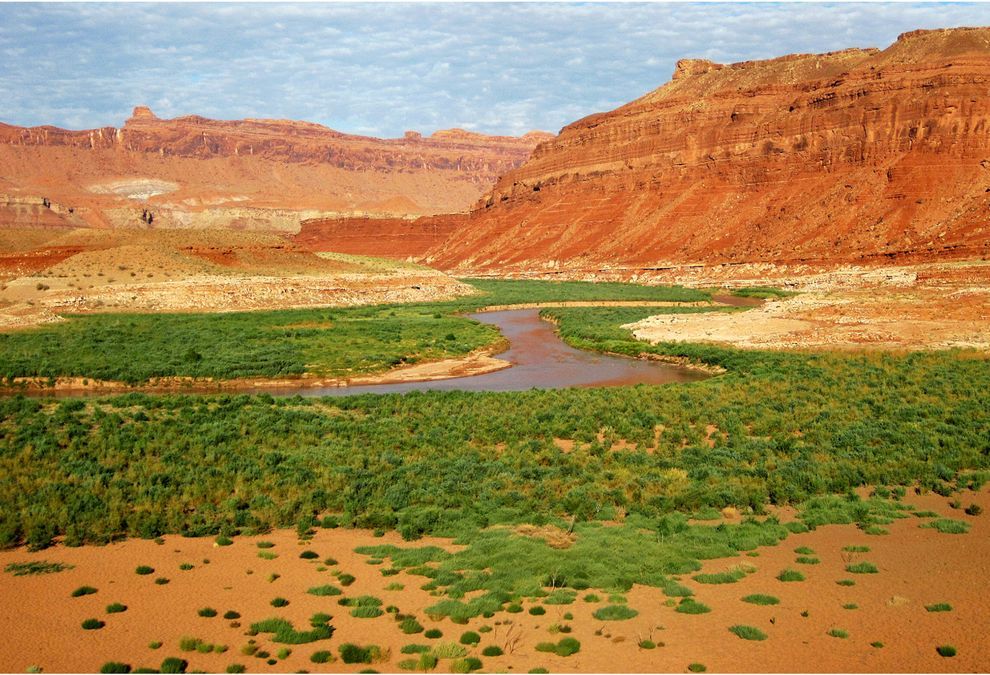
{"x":449,"y":650}
{"x":366,"y":612}
{"x":414,"y":649}
{"x":207,"y":612}
{"x":322,"y":656}
{"x":646,"y":644}
{"x":267,"y":555}
{"x":22,"y":569}
{"x":697,"y":667}
{"x":565,"y":647}
{"x":410,"y":626}
{"x":537,"y":610}
{"x":265,"y":544}
{"x":466,"y":665}
{"x":174,"y":664}
{"x":876,"y":645}
{"x":223,"y":540}
{"x":346,"y":579}
{"x":804,"y":560}
{"x":862,"y":568}
{"x":93,"y":624}
{"x":161,"y":581}
{"x":352,"y":653}
{"x":278,"y":602}
{"x":949,"y":526}
{"x":325,"y":590}
{"x":727,"y":577}
{"x":790,"y":575}
{"x":235,"y":668}
{"x":856,"y":549}
{"x":115,"y":667}
{"x":939,"y":607}
{"x":491,"y":650}
{"x":759,"y":599}
{"x":838,"y":633}
{"x":83,"y":590}
{"x":231,"y":615}
{"x":470,"y":638}
{"x":116,"y":608}
{"x":804,"y":550}
{"x":285,"y":632}
{"x":433,"y":633}
{"x":946,"y":650}
{"x":614,"y":613}
{"x":748,"y":632}
{"x":144,"y":570}
{"x":974,"y":510}
{"x":155,"y":644}
{"x":690,"y":606}
{"x":309,"y":555}
{"x":846,"y":582}
{"x":185,"y":567}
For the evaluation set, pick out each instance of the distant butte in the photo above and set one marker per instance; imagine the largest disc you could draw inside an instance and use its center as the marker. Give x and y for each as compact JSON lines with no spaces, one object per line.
{"x":244,"y":174}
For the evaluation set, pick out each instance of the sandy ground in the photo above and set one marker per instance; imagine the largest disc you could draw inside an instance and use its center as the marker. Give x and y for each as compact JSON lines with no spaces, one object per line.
{"x":60,"y":272}
{"x":927,"y":306}
{"x":917,"y":566}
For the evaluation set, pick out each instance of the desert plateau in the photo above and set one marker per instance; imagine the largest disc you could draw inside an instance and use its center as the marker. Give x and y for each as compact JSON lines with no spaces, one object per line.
{"x":696,"y":384}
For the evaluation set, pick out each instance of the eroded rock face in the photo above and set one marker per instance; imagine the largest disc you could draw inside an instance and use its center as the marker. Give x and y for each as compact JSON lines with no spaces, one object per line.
{"x":264,"y":164}
{"x":855,"y":155}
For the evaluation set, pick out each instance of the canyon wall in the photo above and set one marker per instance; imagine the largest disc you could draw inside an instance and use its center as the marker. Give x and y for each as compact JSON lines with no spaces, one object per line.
{"x":853,"y":156}
{"x":245,"y":174}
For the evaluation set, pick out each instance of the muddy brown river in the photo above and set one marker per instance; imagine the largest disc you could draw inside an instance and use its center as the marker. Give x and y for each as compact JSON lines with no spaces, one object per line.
{"x":539,"y":358}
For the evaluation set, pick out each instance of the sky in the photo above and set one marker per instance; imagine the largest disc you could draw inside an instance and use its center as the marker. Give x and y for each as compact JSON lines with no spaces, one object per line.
{"x":382,"y":69}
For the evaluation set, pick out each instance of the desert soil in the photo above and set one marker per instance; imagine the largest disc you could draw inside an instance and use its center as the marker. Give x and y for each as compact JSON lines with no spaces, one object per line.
{"x":939,"y":305}
{"x":917,"y":567}
{"x":82,"y":271}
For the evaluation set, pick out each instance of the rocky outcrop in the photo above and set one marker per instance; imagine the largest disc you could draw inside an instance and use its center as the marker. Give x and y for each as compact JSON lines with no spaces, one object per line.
{"x":260,"y":164}
{"x":855,"y":155}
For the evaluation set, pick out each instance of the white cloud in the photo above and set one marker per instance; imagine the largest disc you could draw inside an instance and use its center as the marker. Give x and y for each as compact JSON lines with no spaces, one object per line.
{"x":385,"y":68}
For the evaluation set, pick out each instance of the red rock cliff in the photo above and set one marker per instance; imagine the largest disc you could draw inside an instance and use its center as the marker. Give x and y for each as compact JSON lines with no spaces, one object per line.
{"x":848,"y":156}
{"x":255,"y":163}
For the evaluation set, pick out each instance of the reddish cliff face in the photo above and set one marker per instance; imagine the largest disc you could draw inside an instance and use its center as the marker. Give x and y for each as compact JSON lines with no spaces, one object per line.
{"x":196,"y":172}
{"x":848,"y":156}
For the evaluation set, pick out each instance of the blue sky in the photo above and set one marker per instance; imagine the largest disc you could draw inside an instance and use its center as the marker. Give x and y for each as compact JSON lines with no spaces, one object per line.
{"x":380,"y":69}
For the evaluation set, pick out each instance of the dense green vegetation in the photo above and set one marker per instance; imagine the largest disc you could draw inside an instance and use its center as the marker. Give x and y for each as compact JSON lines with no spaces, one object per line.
{"x":793,"y":428}
{"x":341,"y":342}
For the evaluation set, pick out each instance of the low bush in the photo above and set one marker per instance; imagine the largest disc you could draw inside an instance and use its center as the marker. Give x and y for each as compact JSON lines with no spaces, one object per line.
{"x":491,"y":650}
{"x":862,"y":568}
{"x":939,"y":607}
{"x":83,"y":590}
{"x":748,"y":632}
{"x":115,"y":667}
{"x":697,"y":667}
{"x":790,"y":575}
{"x":324,"y":590}
{"x":470,"y":638}
{"x":946,"y":650}
{"x":760,"y":599}
{"x":537,"y":610}
{"x":207,"y":612}
{"x":410,"y":626}
{"x":838,"y":633}
{"x":93,"y":624}
{"x":565,"y":647}
{"x":614,"y":613}
{"x":144,"y":570}
{"x":116,"y":608}
{"x":231,"y":615}
{"x":173,"y":664}
{"x":691,"y":606}
{"x":309,"y":555}
{"x":321,"y":656}
{"x":433,"y":633}
{"x":279,"y":602}
{"x":949,"y":526}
